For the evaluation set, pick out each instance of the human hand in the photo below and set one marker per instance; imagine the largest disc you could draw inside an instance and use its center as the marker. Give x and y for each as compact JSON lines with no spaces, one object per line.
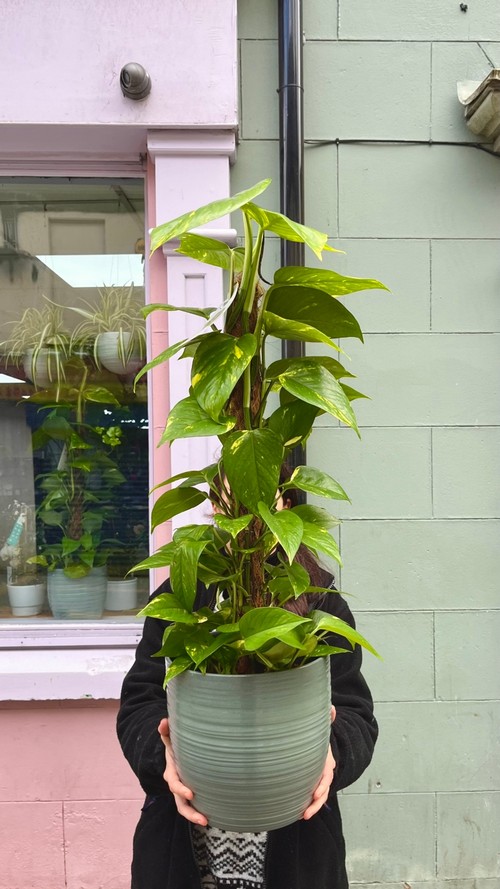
{"x":320,"y":794}
{"x":182,"y":794}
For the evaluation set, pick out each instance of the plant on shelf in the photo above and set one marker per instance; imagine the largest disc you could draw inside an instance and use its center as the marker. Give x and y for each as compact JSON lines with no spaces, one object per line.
{"x":40,"y":343}
{"x":115,"y":328}
{"x":25,"y":582}
{"x":247,"y":554}
{"x":78,"y":492}
{"x":130,"y":545}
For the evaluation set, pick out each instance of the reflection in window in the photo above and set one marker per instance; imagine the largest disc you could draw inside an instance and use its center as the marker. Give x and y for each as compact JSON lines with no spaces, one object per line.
{"x":73,"y":432}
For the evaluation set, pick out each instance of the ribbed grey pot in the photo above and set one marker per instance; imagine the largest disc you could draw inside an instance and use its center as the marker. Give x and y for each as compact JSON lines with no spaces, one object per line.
{"x":77,"y":598}
{"x":251,"y":748}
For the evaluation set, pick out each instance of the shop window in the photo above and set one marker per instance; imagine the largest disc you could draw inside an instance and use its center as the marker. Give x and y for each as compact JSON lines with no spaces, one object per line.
{"x":73,"y":429}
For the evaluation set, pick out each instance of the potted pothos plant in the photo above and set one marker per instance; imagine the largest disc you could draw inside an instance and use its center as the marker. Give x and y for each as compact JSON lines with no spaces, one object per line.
{"x":251,"y":659}
{"x":77,"y":496}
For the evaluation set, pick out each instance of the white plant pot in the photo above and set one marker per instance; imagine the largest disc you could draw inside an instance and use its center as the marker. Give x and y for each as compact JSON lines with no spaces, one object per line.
{"x":39,"y":374}
{"x":121,"y":595}
{"x":108,"y":355}
{"x":26,"y":599}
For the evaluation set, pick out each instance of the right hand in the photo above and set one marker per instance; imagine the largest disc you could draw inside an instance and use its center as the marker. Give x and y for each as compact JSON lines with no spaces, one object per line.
{"x":182,"y":794}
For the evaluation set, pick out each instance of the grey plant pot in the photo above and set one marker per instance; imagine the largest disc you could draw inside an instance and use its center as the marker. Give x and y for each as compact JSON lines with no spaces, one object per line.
{"x":251,"y":748}
{"x":77,"y":598}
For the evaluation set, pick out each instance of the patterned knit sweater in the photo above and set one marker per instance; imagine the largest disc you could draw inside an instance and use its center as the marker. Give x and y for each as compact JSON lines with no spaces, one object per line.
{"x":229,"y":860}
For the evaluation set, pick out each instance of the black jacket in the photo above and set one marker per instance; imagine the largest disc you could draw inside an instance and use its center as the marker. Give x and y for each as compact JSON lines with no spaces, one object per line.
{"x":306,"y":854}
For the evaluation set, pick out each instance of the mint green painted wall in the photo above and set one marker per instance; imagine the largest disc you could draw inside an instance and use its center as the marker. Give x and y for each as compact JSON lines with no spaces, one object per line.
{"x":420,"y":542}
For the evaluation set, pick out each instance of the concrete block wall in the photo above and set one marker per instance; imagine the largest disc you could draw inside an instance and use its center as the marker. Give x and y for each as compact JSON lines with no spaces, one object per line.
{"x":420,"y":542}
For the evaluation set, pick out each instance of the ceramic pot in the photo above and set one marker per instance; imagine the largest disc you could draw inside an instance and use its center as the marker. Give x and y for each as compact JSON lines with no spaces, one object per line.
{"x":77,"y":598}
{"x":43,"y":371}
{"x":26,"y":599}
{"x":252,"y":748}
{"x":108,"y":354}
{"x":121,"y":595}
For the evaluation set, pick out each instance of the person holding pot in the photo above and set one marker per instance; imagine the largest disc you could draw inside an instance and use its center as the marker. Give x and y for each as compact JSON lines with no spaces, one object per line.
{"x":174,"y":846}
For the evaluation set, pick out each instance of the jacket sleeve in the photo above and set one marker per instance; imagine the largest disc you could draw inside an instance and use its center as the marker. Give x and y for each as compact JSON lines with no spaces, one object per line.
{"x":143,"y":704}
{"x":354,"y":730}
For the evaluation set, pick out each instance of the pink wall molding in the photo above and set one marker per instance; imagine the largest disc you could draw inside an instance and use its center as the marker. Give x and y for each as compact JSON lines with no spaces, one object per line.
{"x":63,"y":61}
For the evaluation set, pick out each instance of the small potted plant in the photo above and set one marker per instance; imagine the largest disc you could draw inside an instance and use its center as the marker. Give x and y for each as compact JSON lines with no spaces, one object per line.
{"x":122,"y":585}
{"x":248,"y":680}
{"x":40,"y":344}
{"x":77,"y":498}
{"x":115,"y":326}
{"x":26,"y":586}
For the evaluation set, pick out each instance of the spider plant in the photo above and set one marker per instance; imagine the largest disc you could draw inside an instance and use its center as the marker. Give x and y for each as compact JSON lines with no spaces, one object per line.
{"x":118,"y":310}
{"x":39,"y":334}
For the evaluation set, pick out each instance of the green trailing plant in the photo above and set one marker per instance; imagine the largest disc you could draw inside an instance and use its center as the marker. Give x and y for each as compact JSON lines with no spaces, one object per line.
{"x":118,"y":310}
{"x":78,"y":494}
{"x":40,"y":332}
{"x":248,"y":552}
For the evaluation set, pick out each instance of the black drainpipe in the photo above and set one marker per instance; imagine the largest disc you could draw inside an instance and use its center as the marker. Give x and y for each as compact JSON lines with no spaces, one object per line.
{"x":291,"y":110}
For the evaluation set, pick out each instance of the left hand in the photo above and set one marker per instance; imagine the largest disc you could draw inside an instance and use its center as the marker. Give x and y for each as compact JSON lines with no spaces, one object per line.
{"x":322,"y":790}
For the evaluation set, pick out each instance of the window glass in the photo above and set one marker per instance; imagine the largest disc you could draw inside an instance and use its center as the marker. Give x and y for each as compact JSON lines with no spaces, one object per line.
{"x":73,"y":431}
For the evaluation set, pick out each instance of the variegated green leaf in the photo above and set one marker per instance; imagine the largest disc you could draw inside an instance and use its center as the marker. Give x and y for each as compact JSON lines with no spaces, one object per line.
{"x":260,"y":625}
{"x":284,"y":329}
{"x":315,"y":385}
{"x":203,"y":652}
{"x":184,"y":570}
{"x":314,"y":481}
{"x":288,"y":578}
{"x":99,"y":394}
{"x":307,"y":305}
{"x":293,"y":422}
{"x":252,"y":461}
{"x":178,"y":666}
{"x":219,"y":363}
{"x":288,"y":229}
{"x":173,"y":502}
{"x":188,"y":420}
{"x":352,"y":394}
{"x":316,"y":515}
{"x":191,"y":476}
{"x":233,"y":526}
{"x":166,"y":355}
{"x":166,"y":606}
{"x":209,"y":212}
{"x":321,"y":541}
{"x":330,"y":282}
{"x":324,"y":621}
{"x":210,"y":251}
{"x":166,"y":307}
{"x":286,"y":527}
{"x":331,"y":364}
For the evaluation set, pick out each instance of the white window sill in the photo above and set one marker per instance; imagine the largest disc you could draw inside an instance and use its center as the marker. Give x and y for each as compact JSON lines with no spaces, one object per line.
{"x":58,"y":660}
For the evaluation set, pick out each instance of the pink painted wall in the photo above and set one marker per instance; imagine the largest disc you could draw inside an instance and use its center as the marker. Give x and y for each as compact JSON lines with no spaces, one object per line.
{"x":68,"y":800}
{"x":66,"y":58}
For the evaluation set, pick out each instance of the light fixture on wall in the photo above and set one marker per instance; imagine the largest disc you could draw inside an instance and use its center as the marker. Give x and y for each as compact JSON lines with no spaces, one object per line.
{"x":481,"y":101}
{"x":135,"y":81}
